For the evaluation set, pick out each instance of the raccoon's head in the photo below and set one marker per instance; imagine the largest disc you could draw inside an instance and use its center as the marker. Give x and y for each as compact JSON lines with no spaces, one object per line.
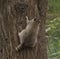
{"x":33,"y":21}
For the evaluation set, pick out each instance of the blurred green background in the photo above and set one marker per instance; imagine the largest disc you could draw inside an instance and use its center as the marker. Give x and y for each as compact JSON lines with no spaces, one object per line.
{"x":53,"y":29}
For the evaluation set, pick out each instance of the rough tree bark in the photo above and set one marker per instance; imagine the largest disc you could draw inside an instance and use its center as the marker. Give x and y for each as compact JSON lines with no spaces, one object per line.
{"x":12,"y":21}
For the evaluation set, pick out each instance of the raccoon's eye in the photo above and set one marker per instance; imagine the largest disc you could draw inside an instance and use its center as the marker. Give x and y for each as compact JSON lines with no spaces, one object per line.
{"x":35,"y":19}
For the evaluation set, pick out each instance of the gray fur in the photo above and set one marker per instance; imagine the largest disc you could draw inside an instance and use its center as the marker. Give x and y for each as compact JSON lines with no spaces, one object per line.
{"x":28,"y":36}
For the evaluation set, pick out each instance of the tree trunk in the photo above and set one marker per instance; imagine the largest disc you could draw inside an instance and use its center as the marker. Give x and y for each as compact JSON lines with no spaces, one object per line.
{"x":12,"y":21}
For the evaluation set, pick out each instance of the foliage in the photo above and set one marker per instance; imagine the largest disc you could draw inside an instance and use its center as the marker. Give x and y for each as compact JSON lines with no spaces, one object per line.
{"x":53,"y":36}
{"x":54,"y":6}
{"x":53,"y":29}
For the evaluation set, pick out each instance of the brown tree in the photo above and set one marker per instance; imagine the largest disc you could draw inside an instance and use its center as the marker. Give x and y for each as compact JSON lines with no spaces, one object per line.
{"x":12,"y":21}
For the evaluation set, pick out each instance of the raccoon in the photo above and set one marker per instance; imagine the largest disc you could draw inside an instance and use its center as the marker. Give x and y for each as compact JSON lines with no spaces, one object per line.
{"x":28,"y":36}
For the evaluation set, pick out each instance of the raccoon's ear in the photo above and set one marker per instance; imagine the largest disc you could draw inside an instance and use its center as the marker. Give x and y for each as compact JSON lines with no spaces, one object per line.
{"x":27,"y":20}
